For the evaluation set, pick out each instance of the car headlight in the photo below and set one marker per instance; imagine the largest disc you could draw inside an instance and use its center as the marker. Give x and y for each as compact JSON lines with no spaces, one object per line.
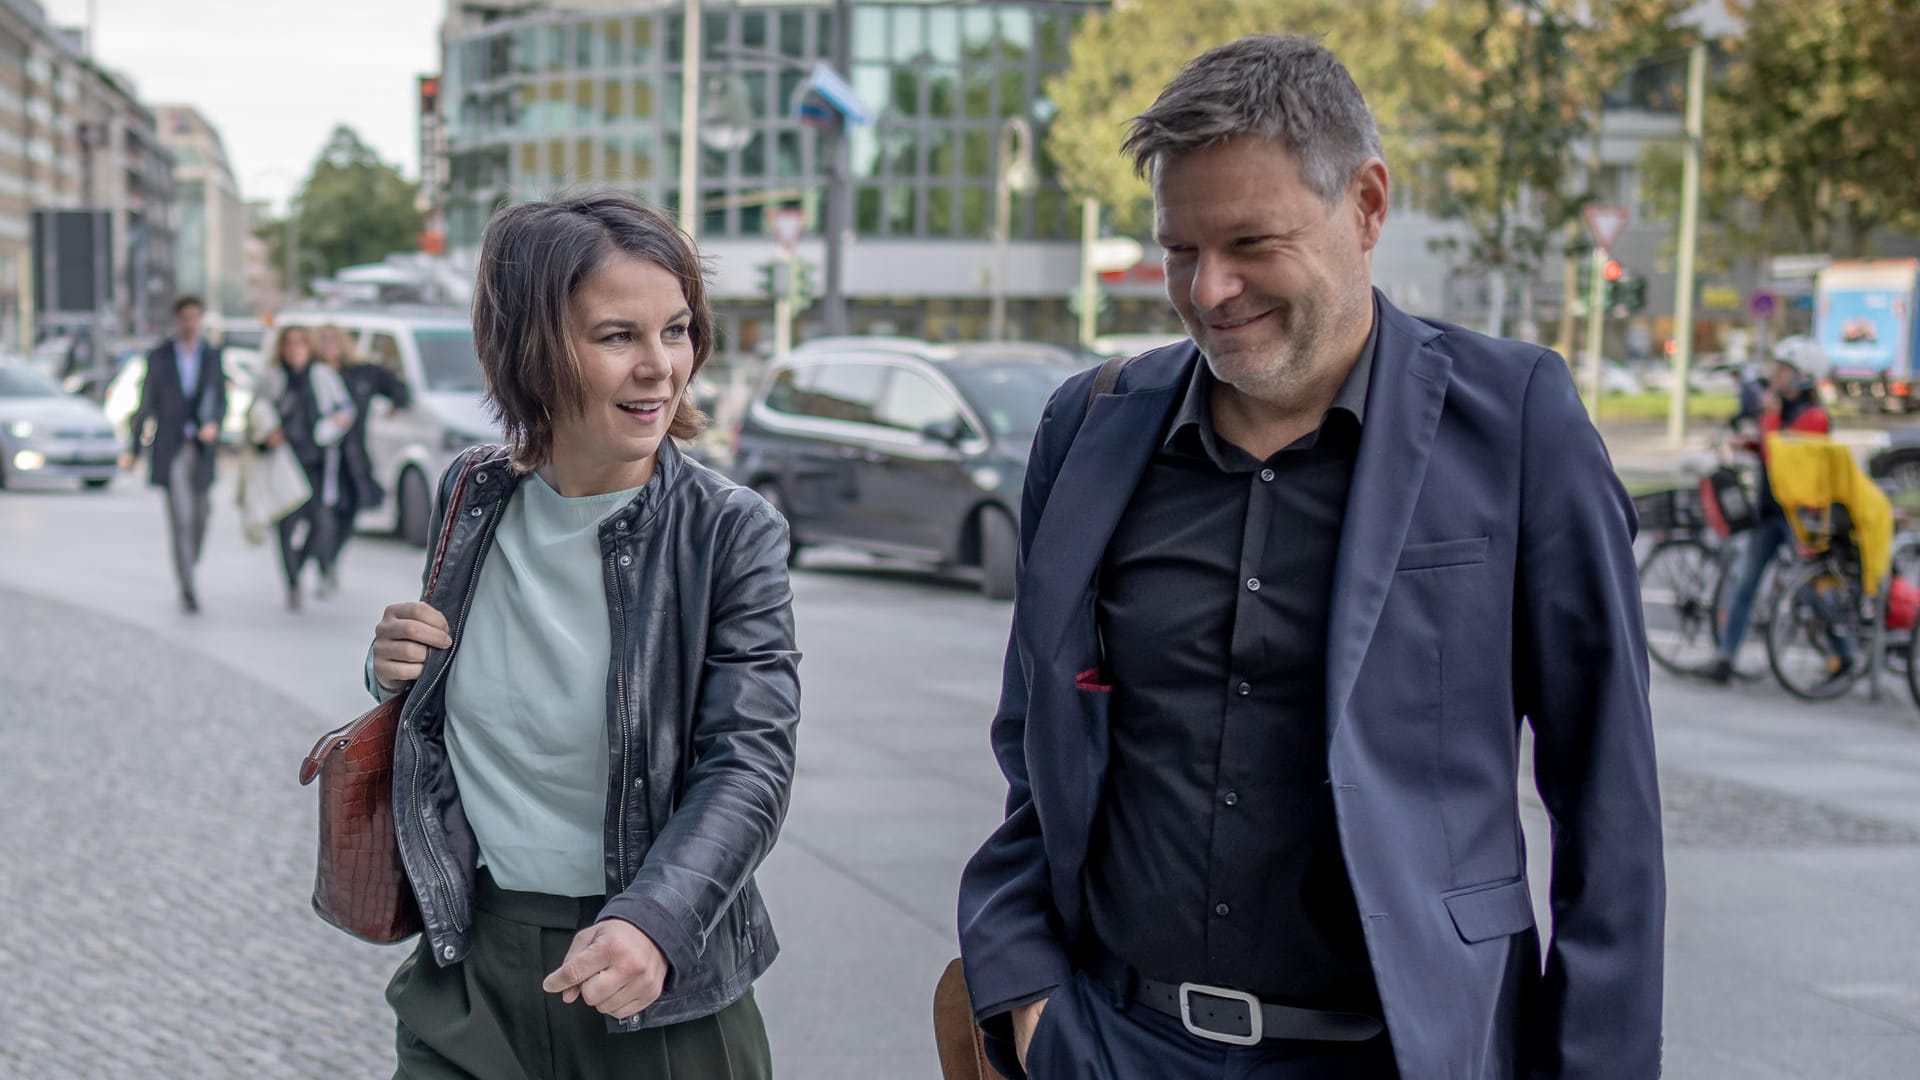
{"x":20,"y":429}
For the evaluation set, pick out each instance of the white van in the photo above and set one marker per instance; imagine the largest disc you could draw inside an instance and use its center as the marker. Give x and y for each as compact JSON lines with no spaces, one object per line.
{"x":431,"y":350}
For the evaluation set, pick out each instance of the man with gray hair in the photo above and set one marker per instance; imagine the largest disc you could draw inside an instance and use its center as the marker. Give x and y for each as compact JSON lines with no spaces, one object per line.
{"x":1288,"y":591}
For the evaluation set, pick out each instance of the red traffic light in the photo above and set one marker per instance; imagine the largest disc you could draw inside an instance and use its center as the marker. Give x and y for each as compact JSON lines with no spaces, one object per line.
{"x":1612,"y":270}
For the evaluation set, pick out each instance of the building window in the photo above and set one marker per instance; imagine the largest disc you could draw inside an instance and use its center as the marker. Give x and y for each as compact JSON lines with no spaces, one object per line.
{"x":786,"y":158}
{"x":909,"y":35}
{"x":612,"y":102}
{"x":582,"y":46}
{"x":870,"y":34}
{"x":753,"y":30}
{"x":793,"y":34}
{"x":642,"y":41}
{"x":642,"y":157}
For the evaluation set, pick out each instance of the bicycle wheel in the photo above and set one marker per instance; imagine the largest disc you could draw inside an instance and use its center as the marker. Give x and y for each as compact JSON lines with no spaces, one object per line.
{"x":1814,"y":610}
{"x":1677,"y":583}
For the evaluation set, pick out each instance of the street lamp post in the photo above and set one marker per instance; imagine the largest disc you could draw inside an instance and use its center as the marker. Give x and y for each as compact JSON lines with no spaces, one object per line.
{"x":839,"y":223}
{"x":690,"y":120}
{"x":1015,"y":174}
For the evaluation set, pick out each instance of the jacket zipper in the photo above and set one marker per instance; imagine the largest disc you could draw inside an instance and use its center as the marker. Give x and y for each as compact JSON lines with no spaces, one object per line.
{"x":413,"y":732}
{"x":620,"y":714}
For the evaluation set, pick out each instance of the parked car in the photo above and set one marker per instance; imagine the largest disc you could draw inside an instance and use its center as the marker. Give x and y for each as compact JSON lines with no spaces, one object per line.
{"x":902,"y":447}
{"x":431,"y":350}
{"x":48,"y":433}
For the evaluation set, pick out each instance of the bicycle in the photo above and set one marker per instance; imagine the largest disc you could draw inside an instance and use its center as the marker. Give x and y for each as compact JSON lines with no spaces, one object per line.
{"x":1687,"y":577}
{"x":1826,"y":633}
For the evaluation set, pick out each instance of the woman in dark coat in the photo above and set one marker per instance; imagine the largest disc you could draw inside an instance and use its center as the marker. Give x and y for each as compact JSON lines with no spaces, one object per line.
{"x":359,"y":488}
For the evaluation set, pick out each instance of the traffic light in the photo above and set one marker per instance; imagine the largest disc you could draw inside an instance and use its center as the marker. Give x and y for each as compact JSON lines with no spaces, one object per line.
{"x":1633,"y":294}
{"x":804,"y":287}
{"x":1626,"y":293}
{"x":769,"y":279}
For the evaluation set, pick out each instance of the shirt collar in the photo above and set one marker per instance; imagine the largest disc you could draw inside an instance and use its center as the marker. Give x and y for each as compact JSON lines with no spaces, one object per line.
{"x":1196,"y":406}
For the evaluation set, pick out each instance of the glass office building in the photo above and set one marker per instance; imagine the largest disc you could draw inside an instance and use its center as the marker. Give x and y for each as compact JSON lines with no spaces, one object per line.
{"x":588,"y":93}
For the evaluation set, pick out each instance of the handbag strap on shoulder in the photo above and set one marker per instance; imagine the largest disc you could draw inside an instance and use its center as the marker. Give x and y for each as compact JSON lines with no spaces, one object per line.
{"x":453,"y":511}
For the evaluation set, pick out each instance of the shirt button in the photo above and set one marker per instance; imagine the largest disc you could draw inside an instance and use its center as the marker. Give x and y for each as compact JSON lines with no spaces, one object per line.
{"x":1231,"y":798}
{"x":1221,"y":909}
{"x":1245,"y":689}
{"x":1266,"y":475}
{"x":1253,"y":584}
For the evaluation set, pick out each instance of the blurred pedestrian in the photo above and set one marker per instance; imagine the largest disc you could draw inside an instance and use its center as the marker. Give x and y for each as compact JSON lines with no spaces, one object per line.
{"x":184,"y":397}
{"x":314,"y":412}
{"x":602,"y":740}
{"x":1791,"y":404}
{"x":1290,"y":589}
{"x":359,"y":488}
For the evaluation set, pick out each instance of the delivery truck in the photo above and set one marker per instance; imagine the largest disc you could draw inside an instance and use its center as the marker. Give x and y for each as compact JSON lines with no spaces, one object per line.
{"x":1865,"y":323}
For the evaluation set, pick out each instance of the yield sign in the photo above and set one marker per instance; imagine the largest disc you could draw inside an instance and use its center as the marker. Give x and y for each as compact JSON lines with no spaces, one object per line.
{"x":1605,"y":223}
{"x":788,"y":223}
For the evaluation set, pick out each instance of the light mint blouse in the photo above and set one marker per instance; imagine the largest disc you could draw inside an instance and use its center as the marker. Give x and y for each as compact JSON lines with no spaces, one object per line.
{"x":527,"y":695}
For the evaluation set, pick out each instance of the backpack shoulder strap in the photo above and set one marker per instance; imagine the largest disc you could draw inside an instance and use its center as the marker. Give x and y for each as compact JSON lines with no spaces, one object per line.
{"x":1109,"y":377}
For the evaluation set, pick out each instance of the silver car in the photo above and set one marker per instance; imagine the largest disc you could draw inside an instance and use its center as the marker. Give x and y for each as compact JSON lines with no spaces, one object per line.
{"x":47,"y":433}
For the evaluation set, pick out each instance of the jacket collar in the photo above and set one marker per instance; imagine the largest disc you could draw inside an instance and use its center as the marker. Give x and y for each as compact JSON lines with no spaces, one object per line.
{"x":500,"y":481}
{"x":1119,"y":436}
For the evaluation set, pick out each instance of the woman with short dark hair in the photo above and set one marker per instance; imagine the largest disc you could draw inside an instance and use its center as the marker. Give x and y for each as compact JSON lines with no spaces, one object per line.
{"x":598,"y":744}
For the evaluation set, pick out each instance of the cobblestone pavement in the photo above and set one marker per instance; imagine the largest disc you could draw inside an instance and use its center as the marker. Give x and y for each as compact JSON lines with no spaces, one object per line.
{"x":155,"y":863}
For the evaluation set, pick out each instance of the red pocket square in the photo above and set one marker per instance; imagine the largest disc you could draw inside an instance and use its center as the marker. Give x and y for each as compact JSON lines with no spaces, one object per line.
{"x":1090,"y":680}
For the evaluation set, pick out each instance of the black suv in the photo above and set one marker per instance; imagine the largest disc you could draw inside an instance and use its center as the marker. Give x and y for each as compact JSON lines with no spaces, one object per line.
{"x":901,"y":447}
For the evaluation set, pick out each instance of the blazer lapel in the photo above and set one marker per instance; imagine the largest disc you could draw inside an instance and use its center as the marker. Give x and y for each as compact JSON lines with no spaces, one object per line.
{"x":1090,"y":491}
{"x":1403,"y":411}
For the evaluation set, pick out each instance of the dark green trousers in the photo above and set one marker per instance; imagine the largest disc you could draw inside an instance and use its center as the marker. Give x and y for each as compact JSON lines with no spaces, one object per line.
{"x":486,"y":1018}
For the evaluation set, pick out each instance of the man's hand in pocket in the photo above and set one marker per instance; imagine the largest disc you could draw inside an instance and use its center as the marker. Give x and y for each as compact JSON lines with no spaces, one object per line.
{"x":1025,"y":1019}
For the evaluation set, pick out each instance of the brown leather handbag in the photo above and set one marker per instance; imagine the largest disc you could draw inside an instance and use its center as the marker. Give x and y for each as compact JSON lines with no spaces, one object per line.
{"x":361,"y":886}
{"x":962,"y":1047}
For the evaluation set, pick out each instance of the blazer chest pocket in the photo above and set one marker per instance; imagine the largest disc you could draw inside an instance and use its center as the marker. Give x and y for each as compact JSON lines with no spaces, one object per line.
{"x":1442,"y":553}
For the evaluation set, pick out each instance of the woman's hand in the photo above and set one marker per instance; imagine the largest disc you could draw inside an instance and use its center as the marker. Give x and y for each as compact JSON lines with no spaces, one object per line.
{"x":401,"y":641}
{"x":276,"y":439}
{"x":613,"y":967}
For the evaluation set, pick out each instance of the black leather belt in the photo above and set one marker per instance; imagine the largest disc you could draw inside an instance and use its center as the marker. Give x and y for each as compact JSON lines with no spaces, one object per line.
{"x":1225,"y":1015}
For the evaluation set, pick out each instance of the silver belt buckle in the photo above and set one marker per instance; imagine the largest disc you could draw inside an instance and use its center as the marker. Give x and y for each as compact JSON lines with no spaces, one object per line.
{"x":1255,"y":1021}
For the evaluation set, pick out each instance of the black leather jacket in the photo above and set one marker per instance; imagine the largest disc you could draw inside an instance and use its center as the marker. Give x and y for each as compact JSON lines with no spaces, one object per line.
{"x":703,"y":699}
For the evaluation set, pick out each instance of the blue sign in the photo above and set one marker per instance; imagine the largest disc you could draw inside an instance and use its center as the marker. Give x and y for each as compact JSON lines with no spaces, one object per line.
{"x":1860,"y":328}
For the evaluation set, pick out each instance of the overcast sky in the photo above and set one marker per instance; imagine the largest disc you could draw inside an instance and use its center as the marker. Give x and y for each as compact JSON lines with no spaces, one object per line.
{"x":275,"y":76}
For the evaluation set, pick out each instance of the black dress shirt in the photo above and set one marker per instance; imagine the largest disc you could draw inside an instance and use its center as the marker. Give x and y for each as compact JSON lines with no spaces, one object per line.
{"x":1215,"y":858}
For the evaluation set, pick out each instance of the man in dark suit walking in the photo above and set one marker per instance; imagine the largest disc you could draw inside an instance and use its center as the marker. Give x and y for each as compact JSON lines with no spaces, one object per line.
{"x":184,"y":397}
{"x":1287,"y":594}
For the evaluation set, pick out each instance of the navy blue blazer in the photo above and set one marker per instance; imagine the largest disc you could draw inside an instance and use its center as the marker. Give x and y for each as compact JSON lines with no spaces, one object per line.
{"x":1485,"y":575}
{"x":171,"y":405}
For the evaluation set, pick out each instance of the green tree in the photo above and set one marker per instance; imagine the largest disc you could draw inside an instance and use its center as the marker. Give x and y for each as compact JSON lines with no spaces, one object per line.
{"x":1501,"y":113}
{"x":1120,"y":60}
{"x":1814,"y":123}
{"x":353,"y":209}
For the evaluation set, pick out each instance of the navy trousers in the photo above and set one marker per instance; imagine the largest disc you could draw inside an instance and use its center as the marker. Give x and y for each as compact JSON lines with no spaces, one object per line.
{"x":1083,"y":1036}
